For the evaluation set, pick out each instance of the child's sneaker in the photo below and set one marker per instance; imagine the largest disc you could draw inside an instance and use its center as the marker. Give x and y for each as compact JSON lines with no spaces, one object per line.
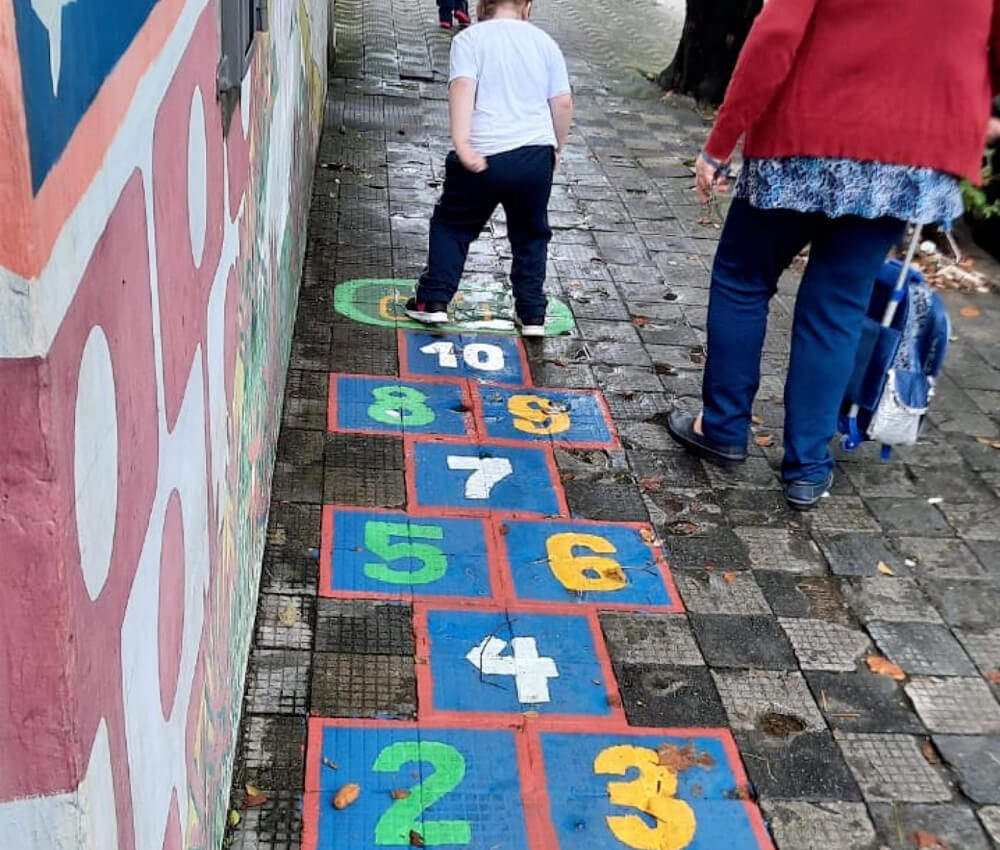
{"x":445,"y":25}
{"x":532,"y":327}
{"x":428,"y":312}
{"x":462,"y":17}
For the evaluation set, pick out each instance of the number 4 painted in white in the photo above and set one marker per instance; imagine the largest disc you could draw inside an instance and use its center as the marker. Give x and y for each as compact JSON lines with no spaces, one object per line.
{"x":530,"y":671}
{"x":487,"y":472}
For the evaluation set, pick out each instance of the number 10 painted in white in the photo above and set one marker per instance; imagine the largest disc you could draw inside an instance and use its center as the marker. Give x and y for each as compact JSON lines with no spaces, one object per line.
{"x":479,"y":355}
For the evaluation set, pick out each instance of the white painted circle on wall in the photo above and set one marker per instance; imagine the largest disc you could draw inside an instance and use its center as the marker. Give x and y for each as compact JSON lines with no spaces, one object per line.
{"x":95,"y":461}
{"x":197,"y":177}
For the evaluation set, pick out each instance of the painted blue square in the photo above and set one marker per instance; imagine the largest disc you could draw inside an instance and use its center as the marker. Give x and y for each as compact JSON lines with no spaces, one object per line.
{"x":544,"y":415}
{"x":477,"y":356}
{"x":475,"y":773}
{"x":584,"y":562}
{"x":394,"y":406}
{"x":580,"y":798}
{"x":484,"y":477}
{"x":565,"y":678}
{"x":395,"y":553}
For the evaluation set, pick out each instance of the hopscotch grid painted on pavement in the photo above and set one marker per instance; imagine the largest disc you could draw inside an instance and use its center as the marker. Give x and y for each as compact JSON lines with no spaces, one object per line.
{"x":512,"y":669}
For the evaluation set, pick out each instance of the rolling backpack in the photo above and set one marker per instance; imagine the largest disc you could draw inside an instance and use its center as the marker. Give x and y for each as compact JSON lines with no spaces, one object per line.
{"x":904,"y":340}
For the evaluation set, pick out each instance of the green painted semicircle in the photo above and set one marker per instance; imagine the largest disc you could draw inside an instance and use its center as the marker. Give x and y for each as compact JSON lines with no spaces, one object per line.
{"x":475,"y":308}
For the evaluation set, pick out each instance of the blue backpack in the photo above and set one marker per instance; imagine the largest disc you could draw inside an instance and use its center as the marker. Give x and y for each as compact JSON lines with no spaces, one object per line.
{"x":903,"y":344}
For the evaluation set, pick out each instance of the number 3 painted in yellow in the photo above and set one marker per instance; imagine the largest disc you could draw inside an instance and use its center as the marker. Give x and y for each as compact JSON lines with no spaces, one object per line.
{"x":534,"y":414}
{"x":652,"y":792}
{"x":584,"y":572}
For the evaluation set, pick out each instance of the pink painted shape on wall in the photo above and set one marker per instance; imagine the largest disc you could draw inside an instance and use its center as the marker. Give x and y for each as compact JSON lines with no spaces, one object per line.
{"x":185,"y":281}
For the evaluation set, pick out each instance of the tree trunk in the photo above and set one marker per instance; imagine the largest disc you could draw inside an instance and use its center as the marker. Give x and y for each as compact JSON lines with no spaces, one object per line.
{"x":714,"y":32}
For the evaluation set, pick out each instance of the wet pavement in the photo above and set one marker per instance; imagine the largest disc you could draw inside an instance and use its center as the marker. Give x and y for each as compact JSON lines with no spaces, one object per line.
{"x":498,"y":599}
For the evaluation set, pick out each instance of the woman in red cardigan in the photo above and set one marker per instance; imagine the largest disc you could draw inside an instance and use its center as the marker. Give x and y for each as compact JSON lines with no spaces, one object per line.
{"x":856,"y":117}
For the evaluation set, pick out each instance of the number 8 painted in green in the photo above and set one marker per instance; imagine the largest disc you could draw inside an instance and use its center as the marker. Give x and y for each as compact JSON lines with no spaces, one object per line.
{"x":399,"y":405}
{"x":404,"y":815}
{"x":378,"y":541}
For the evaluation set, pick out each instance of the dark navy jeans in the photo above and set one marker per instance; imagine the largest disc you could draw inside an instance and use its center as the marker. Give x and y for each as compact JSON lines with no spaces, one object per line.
{"x":521,"y":182}
{"x":757,"y":245}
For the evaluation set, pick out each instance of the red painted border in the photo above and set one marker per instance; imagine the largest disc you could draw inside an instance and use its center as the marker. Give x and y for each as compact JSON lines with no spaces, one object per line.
{"x":404,"y":359}
{"x":416,"y":509}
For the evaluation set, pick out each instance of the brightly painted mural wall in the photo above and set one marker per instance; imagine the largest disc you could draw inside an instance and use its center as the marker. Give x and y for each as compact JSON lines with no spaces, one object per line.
{"x":149,"y":268}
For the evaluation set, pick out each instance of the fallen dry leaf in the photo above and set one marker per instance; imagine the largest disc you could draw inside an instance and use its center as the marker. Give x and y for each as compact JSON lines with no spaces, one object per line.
{"x":929,"y":753}
{"x":640,"y":321}
{"x":885,"y":569}
{"x":647,"y":535}
{"x":399,"y":794}
{"x":994,"y":677}
{"x":568,"y":476}
{"x":927,"y":841}
{"x":651,"y":485}
{"x":756,"y":420}
{"x":254,"y":796}
{"x":289,"y":615}
{"x":234,"y":818}
{"x":730,"y":576}
{"x":678,"y":759}
{"x":765,"y":441}
{"x":884,"y":667}
{"x":987,"y":441}
{"x":416,"y":839}
{"x":346,"y":795}
{"x":969,"y":312}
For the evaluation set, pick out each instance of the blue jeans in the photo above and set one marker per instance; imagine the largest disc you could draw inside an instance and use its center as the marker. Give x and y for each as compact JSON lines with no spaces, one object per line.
{"x":757,"y":245}
{"x":521,"y":181}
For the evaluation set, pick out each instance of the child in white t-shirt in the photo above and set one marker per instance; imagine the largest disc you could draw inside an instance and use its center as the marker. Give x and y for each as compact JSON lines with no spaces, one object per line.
{"x":511,"y":110}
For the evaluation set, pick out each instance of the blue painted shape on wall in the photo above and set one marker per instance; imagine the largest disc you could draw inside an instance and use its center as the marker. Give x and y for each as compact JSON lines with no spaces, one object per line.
{"x":486,"y":797}
{"x":527,"y":545}
{"x":580,"y":804}
{"x":484,"y":477}
{"x":91,"y":37}
{"x":586,"y":420}
{"x":460,"y":685}
{"x":392,"y":552}
{"x":477,"y":356}
{"x":398,"y":407}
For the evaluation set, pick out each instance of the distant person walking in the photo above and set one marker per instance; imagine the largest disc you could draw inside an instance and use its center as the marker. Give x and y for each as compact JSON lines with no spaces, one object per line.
{"x":855,"y":118}
{"x":511,"y":110}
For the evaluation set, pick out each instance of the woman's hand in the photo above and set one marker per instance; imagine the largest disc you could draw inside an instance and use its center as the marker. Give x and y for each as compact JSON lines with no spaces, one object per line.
{"x":708,"y":179}
{"x":471,"y":159}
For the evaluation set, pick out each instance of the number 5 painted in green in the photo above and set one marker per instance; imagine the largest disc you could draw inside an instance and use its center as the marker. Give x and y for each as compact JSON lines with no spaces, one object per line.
{"x":378,"y":540}
{"x":404,"y":816}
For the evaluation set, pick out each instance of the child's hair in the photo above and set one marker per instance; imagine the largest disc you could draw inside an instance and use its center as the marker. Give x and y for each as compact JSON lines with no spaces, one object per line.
{"x":485,"y":9}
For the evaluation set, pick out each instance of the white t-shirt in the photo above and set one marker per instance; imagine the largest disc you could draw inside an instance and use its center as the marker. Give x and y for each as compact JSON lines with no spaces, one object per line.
{"x":517,"y":68}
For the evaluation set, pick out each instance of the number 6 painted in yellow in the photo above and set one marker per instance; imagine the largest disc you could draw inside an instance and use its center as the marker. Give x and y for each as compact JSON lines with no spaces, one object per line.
{"x":652,"y":792}
{"x":584,"y":572}
{"x":534,"y":414}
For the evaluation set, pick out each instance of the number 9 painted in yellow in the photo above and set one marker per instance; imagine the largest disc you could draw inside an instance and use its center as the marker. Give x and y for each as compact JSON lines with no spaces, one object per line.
{"x":584,"y":572}
{"x":653,"y":792}
{"x":534,"y":414}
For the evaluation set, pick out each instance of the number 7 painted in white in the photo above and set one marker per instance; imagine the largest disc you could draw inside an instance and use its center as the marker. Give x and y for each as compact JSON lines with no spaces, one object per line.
{"x":487,"y":472}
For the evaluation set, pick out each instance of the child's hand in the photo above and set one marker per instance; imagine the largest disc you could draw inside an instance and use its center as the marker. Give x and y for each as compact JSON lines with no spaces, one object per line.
{"x":472,"y":160}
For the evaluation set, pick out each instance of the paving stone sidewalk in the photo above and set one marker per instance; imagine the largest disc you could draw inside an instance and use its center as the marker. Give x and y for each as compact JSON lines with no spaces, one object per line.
{"x":748,"y":651}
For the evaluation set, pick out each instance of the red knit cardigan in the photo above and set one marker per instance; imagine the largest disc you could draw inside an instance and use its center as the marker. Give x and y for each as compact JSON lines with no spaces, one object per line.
{"x":895,"y":81}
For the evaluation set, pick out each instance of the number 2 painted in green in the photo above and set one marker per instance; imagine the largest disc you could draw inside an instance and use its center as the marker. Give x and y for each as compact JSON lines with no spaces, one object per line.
{"x":403,"y":816}
{"x":378,"y":537}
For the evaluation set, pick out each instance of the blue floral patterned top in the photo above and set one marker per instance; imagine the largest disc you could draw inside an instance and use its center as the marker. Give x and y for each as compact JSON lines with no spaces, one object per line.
{"x":839,"y":187}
